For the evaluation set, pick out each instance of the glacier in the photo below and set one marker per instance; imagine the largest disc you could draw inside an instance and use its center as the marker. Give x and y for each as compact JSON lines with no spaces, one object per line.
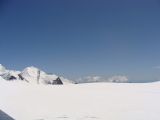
{"x":89,"y":101}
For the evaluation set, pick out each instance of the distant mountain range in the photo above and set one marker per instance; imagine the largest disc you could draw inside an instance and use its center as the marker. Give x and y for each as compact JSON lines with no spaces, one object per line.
{"x":35,"y":75}
{"x":32,"y":75}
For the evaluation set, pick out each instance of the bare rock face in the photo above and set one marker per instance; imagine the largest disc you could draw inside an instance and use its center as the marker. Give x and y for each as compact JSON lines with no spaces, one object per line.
{"x":58,"y":81}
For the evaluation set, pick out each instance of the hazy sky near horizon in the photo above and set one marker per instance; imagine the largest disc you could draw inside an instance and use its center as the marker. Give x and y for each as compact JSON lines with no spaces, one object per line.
{"x":82,"y":37}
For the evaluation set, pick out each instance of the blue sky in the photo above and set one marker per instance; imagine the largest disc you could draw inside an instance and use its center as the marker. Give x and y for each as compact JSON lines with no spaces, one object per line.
{"x":82,"y":37}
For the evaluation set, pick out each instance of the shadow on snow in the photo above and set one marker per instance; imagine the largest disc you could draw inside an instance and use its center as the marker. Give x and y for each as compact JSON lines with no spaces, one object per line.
{"x":4,"y":116}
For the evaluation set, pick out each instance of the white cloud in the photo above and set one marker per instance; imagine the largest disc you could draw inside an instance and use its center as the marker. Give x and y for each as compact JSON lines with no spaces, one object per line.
{"x":117,"y":79}
{"x":93,"y":78}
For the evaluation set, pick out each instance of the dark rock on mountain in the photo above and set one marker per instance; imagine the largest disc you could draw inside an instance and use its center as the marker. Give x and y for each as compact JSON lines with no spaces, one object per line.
{"x":58,"y":81}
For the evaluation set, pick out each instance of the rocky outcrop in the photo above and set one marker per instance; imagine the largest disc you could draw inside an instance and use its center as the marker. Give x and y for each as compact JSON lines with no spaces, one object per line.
{"x":9,"y":77}
{"x":58,"y":81}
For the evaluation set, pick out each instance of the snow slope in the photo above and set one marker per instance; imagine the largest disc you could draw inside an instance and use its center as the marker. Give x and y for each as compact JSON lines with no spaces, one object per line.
{"x":92,"y":101}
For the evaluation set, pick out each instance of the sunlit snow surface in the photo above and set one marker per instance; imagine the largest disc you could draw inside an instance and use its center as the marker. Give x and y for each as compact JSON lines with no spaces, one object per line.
{"x":94,"y":101}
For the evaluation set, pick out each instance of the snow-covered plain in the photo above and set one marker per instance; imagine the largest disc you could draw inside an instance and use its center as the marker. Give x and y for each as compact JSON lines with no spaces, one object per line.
{"x":89,"y":101}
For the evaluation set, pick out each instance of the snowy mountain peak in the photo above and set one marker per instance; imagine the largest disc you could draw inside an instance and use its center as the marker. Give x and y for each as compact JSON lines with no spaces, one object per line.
{"x":30,"y":71}
{"x":2,"y":68}
{"x":31,"y":68}
{"x":31,"y":74}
